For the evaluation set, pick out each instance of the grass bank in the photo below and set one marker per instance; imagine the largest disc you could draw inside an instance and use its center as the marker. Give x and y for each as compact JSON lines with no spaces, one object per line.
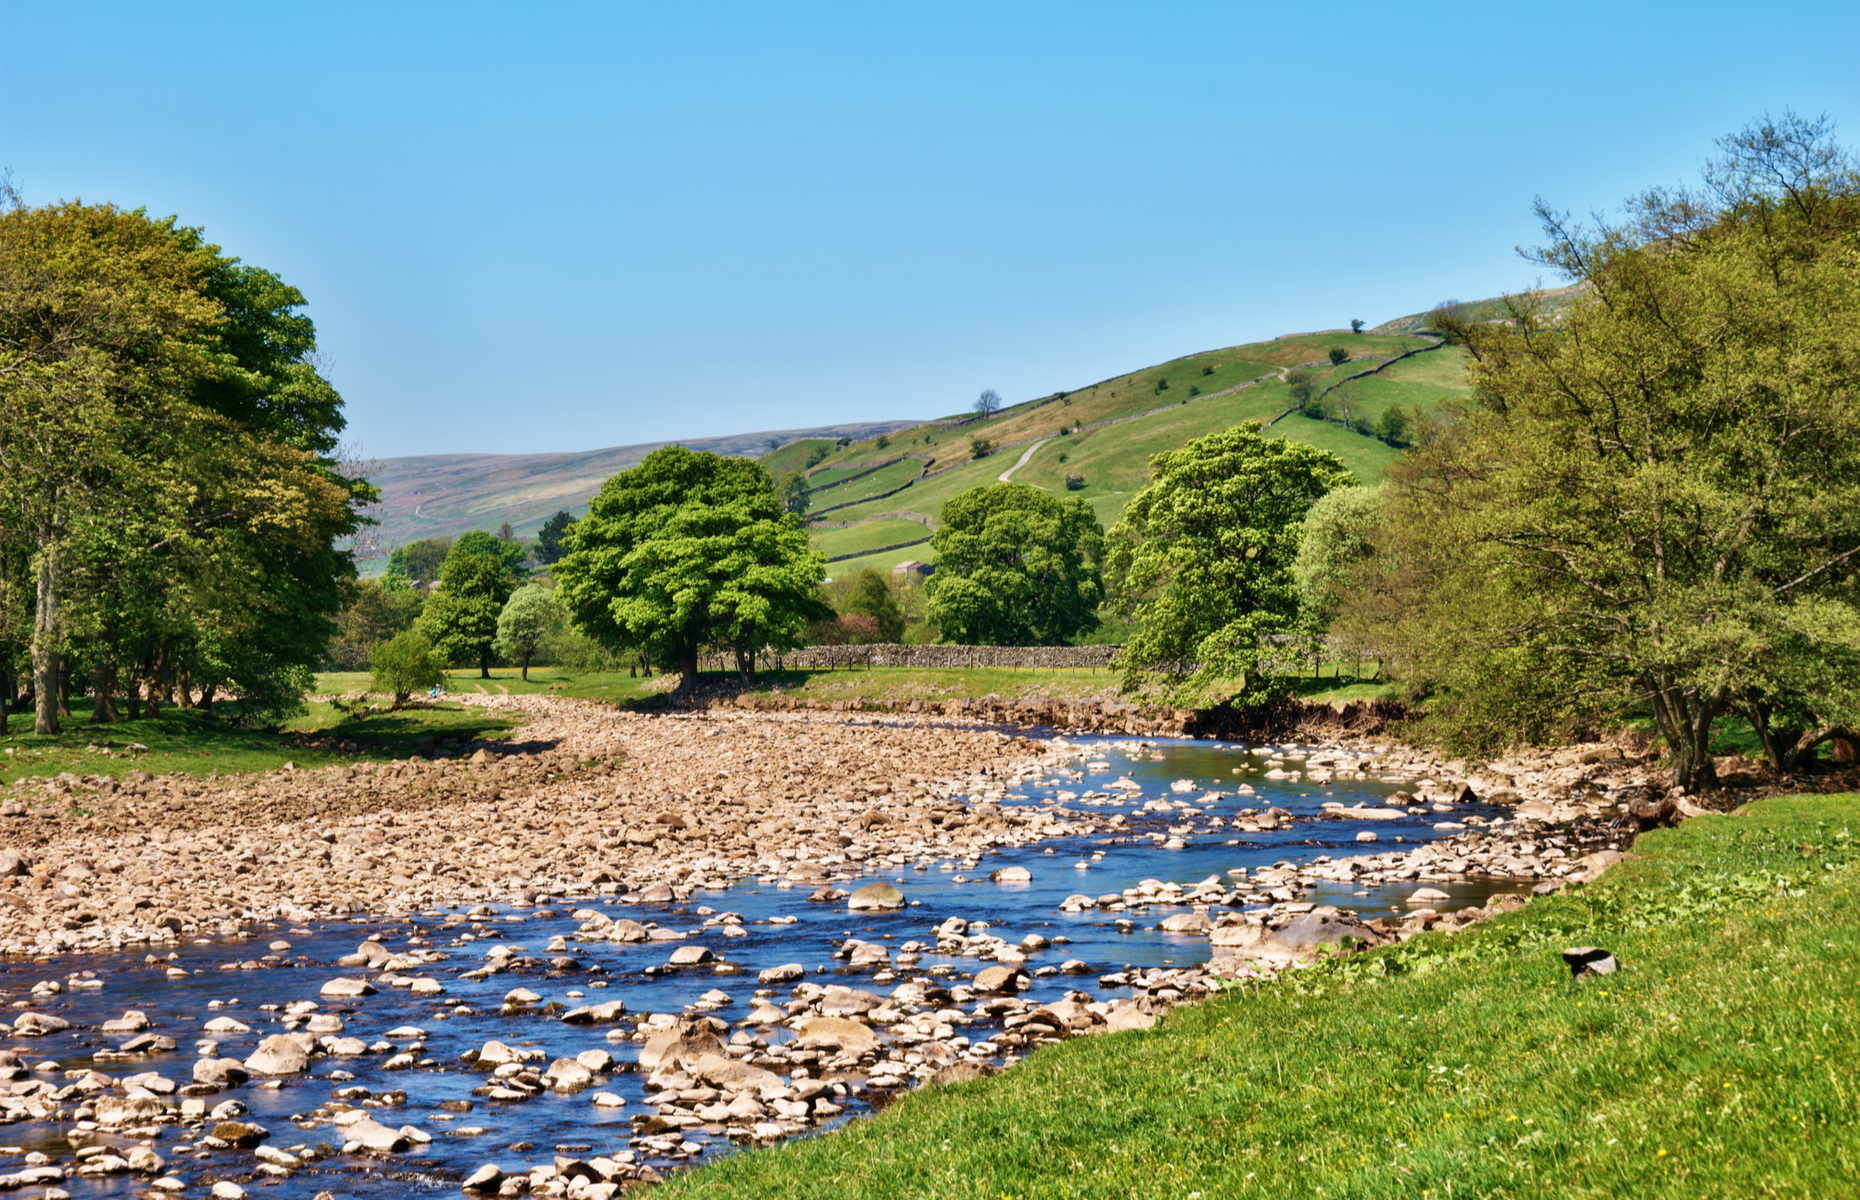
{"x":1717,"y":1063}
{"x":193,"y":741}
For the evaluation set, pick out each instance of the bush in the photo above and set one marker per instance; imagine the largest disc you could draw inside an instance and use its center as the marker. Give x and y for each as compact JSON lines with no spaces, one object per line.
{"x":1356,"y":325}
{"x":881,"y":441}
{"x":1074,"y":482}
{"x":405,"y":664}
{"x":1194,"y":390}
{"x":1207,"y":370}
{"x":1063,"y":456}
{"x":1338,"y":356}
{"x":1162,"y":385}
{"x":980,"y":447}
{"x":847,"y":629}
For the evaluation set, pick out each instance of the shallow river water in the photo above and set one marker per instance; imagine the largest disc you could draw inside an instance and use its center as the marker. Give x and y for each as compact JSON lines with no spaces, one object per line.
{"x":515,"y":1134}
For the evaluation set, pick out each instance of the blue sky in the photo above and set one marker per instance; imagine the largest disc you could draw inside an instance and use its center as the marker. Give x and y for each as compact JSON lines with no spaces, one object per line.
{"x":527,"y":227}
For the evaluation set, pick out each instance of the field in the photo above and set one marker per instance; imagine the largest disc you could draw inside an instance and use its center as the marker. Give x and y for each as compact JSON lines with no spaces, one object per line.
{"x":1158,"y":408}
{"x":870,"y":535}
{"x":1716,"y":1063}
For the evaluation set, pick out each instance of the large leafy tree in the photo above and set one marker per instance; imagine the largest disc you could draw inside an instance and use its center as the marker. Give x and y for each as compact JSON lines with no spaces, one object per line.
{"x":419,"y":562}
{"x":1015,"y":567}
{"x":689,"y":550}
{"x":508,"y":551}
{"x":1203,"y":559}
{"x":530,"y":617}
{"x":1657,"y":498}
{"x":460,"y":619}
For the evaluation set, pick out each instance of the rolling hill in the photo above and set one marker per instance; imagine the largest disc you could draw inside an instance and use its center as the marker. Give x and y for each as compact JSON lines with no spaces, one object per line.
{"x":875,"y":505}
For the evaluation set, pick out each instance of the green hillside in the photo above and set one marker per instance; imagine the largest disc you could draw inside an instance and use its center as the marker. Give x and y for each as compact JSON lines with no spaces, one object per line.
{"x":1106,"y":433}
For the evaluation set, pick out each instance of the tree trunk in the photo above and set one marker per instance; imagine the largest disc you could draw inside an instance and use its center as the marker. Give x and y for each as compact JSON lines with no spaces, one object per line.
{"x":484,"y":663}
{"x":206,"y":697}
{"x":159,"y":683}
{"x":685,"y":654}
{"x":45,"y":648}
{"x":526,"y":667}
{"x":184,"y":687}
{"x":103,"y":692}
{"x":1686,"y":719}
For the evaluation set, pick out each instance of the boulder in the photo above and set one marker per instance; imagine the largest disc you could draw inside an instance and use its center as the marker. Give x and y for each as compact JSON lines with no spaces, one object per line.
{"x":675,"y":1048}
{"x":876,"y":897}
{"x":786,"y":973}
{"x":242,"y":1135}
{"x":1011,"y":875}
{"x":279,"y":1054}
{"x":1428,"y":896}
{"x":372,"y":1135}
{"x":343,"y":986}
{"x":221,"y":1072}
{"x":691,"y":956}
{"x":731,"y":1075}
{"x":595,"y":1014}
{"x":31,"y":1024}
{"x":839,"y":1033}
{"x":999,"y":979}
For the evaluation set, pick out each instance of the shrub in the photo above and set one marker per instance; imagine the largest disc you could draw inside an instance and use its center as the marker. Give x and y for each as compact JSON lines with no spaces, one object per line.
{"x":847,"y":629}
{"x":980,"y":447}
{"x":405,"y":664}
{"x":1162,"y":385}
{"x":1074,"y":482}
{"x":881,"y":441}
{"x":1338,"y":356}
{"x":1063,"y":456}
{"x":1356,"y":325}
{"x":1207,"y":370}
{"x":1193,"y":390}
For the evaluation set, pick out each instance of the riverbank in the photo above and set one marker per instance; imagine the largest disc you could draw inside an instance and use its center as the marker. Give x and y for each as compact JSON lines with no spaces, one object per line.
{"x":1714,"y":1062}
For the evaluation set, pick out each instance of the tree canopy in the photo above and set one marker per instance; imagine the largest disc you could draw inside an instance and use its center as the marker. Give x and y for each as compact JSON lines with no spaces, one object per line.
{"x":461,"y":617}
{"x":689,"y":550}
{"x":1203,"y":559}
{"x":170,"y":497}
{"x":549,"y":538}
{"x":1656,"y":499}
{"x":869,"y":595}
{"x":507,"y":551}
{"x":530,"y":617}
{"x":419,"y":561}
{"x":1015,"y":567}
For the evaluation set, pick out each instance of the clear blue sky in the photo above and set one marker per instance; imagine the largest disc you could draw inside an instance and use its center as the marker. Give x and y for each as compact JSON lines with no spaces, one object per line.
{"x":561,"y":226}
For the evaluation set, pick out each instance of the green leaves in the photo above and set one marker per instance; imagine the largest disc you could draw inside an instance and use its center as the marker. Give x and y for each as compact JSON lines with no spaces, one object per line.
{"x":688,"y":550}
{"x":1015,"y":567}
{"x":461,"y":617}
{"x":1203,"y":558}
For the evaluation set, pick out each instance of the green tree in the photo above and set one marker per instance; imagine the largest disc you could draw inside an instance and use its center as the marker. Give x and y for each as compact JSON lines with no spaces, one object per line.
{"x":1657,"y":499}
{"x":1337,"y":540}
{"x":460,"y":619}
{"x":1394,"y":426}
{"x":419,"y":562}
{"x":980,"y":447}
{"x":1338,"y":356}
{"x":1356,"y":325}
{"x":530,"y":618}
{"x":688,"y":550}
{"x":793,"y":492}
{"x":1302,"y":385}
{"x":1015,"y":567}
{"x":870,"y":596}
{"x":405,"y":664}
{"x":508,"y":552}
{"x":381,"y":609}
{"x":1203,"y":559}
{"x":882,"y":442}
{"x":549,"y":538}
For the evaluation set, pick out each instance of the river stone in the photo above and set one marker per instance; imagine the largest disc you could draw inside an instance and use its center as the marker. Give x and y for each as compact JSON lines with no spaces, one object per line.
{"x":1191,"y":922}
{"x":691,"y":956}
{"x":1311,"y":930}
{"x":132,"y":1021}
{"x":966,"y":1071}
{"x":496,"y":1054}
{"x":343,"y":986}
{"x":658,"y":893}
{"x":372,"y":1135}
{"x":786,"y":973}
{"x":1127,"y":1016}
{"x":1427,"y":896}
{"x":33,"y":1024}
{"x":242,"y":1135}
{"x":675,"y":1048}
{"x":595,"y":1014}
{"x":567,"y":1074}
{"x":731,"y":1075}
{"x":995,"y":980}
{"x":488,"y":1178}
{"x":130,"y":1110}
{"x":1011,"y":875}
{"x":624,"y":930}
{"x":838,"y":1033}
{"x":876,"y":897}
{"x":278,"y":1054}
{"x":227,"y":1025}
{"x":521,"y":996}
{"x":147,"y":1043}
{"x":840,"y":1001}
{"x":224,"y":1072}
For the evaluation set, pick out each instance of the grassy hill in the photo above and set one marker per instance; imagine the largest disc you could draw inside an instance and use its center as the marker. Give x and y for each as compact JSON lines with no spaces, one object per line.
{"x":437,"y":495}
{"x":1107,"y":431}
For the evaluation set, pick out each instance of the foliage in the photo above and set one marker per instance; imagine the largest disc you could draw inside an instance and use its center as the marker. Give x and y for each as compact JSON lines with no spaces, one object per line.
{"x":870,"y":595}
{"x":381,"y":608}
{"x":1394,"y":426}
{"x":793,"y":492}
{"x":170,"y":507}
{"x":460,"y":619}
{"x":1203,"y":558}
{"x":1302,"y":386}
{"x":530,"y":617}
{"x":419,"y":562}
{"x":1337,"y":541}
{"x":1338,"y":356}
{"x":881,"y":442}
{"x":549,"y":538}
{"x":845,"y":629}
{"x":1075,"y":483}
{"x":980,"y":447}
{"x":1015,"y":567}
{"x":1659,"y":492}
{"x":507,"y":551}
{"x":1356,"y":325}
{"x":405,"y":664}
{"x":688,"y":550}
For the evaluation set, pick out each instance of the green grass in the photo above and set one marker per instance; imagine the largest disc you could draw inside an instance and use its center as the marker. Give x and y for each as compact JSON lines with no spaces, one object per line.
{"x":199,"y":744}
{"x":1717,"y":1063}
{"x":870,"y":536}
{"x":877,"y":483}
{"x":793,"y":456}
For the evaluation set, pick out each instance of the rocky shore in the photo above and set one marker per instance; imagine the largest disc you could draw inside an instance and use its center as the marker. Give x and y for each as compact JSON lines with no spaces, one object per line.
{"x":596,"y":810}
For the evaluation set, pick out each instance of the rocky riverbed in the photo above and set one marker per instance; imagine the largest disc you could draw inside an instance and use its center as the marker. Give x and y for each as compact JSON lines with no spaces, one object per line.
{"x":564,"y":965}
